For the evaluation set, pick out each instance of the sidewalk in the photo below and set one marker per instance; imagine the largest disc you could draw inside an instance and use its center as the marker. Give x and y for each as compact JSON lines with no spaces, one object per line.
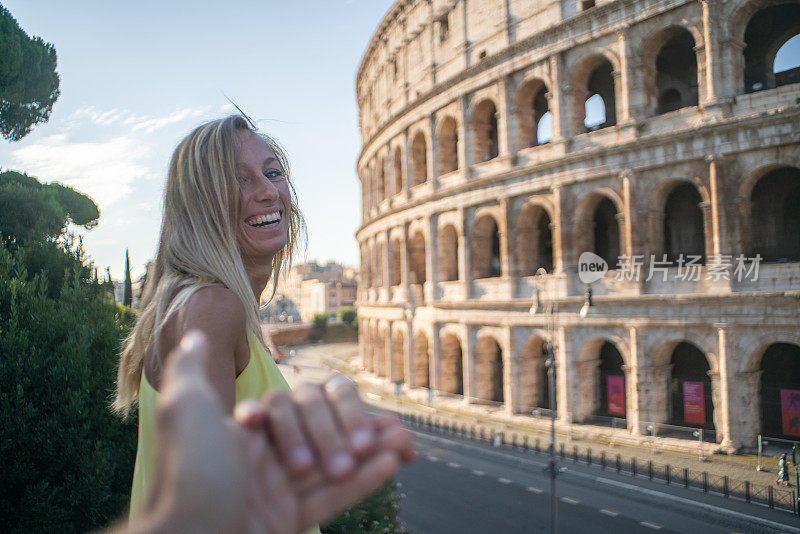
{"x":452,"y":411}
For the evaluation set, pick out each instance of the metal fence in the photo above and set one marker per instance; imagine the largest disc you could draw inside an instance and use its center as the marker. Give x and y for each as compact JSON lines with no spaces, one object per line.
{"x":773,"y":497}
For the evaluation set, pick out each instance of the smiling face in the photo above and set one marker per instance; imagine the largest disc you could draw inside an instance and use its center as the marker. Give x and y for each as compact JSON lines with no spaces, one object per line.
{"x":265,"y":201}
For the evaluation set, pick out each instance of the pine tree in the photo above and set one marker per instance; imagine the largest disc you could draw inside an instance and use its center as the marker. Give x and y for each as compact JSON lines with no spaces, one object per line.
{"x":127,"y":298}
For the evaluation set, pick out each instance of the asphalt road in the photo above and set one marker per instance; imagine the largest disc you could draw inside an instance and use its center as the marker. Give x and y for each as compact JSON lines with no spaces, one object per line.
{"x":464,"y":486}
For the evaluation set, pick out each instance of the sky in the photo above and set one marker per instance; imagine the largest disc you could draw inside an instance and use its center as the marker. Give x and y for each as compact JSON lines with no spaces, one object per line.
{"x":136,"y":77}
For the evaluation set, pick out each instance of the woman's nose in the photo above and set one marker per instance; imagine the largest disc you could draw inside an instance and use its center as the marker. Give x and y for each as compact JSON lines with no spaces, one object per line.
{"x":267,"y":191}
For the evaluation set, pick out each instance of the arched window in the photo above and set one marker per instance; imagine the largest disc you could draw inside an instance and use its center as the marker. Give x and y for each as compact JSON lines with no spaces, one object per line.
{"x":421,"y":361}
{"x":780,"y":391}
{"x":676,"y":72}
{"x":683,"y":224}
{"x":398,"y":356}
{"x":532,"y":107}
{"x":448,"y":146}
{"x":380,"y":353}
{"x":612,"y":382}
{"x":534,"y":382}
{"x":484,"y":124}
{"x":534,"y":241}
{"x":397,"y":265}
{"x":489,"y":370}
{"x":775,"y":220}
{"x":690,"y":388}
{"x":419,"y":159}
{"x":448,"y":254}
{"x":486,"y":248}
{"x":398,"y":171}
{"x":601,"y":84}
{"x":606,"y":232}
{"x":451,"y":365}
{"x":417,"y":253}
{"x":766,"y":32}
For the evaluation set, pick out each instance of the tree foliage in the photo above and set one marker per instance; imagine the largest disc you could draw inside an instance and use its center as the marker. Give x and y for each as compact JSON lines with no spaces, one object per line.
{"x":33,"y":212}
{"x":347,"y":315}
{"x":28,"y":79}
{"x":375,"y":515}
{"x":127,"y":296}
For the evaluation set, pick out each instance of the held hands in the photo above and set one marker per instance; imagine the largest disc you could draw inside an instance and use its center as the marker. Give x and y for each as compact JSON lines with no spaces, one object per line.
{"x":282,"y":465}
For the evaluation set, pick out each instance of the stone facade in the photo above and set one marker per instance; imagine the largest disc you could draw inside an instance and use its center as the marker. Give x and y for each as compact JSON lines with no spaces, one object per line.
{"x":483,"y":182}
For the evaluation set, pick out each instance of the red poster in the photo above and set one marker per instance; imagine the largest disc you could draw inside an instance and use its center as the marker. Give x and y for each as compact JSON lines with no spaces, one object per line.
{"x":790,"y":411}
{"x":615,"y":391}
{"x":694,"y":403}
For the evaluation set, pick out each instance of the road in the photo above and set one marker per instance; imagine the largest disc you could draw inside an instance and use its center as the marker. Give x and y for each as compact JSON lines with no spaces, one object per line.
{"x":464,"y":486}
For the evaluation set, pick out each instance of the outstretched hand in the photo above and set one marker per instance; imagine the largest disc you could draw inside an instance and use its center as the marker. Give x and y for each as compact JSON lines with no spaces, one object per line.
{"x":282,"y":465}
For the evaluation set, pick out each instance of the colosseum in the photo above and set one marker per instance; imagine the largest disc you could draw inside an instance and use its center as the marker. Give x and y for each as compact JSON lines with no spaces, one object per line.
{"x":502,"y":139}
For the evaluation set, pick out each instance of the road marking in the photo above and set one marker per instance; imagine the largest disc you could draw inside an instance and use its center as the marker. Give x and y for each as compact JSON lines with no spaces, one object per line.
{"x":648,"y":524}
{"x":661,"y":495}
{"x":453,"y":465}
{"x":432,"y":458}
{"x":502,"y":480}
{"x":569,"y":500}
{"x":535,"y":490}
{"x":610,"y":513}
{"x":478,"y":473}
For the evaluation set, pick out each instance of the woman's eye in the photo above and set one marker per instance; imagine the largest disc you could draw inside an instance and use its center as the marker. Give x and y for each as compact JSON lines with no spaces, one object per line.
{"x":273,"y":174}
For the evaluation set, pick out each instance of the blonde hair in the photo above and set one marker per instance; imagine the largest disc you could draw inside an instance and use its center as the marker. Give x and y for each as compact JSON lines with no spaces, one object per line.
{"x":198,"y":245}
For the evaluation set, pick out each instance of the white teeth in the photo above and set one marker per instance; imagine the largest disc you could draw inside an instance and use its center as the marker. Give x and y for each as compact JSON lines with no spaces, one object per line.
{"x":264,"y":219}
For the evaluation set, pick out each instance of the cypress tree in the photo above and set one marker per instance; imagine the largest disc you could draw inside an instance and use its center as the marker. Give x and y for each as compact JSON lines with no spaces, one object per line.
{"x":127,"y":298}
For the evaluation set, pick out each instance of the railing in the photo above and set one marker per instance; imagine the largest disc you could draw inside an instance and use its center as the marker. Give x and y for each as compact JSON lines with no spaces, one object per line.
{"x":776,"y":498}
{"x":773,"y":448}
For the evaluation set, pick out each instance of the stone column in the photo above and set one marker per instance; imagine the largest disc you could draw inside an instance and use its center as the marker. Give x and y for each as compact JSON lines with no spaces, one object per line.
{"x":465,"y":156}
{"x":719,"y":227}
{"x":558,"y":232}
{"x":432,"y":153}
{"x":506,"y":122}
{"x":746,"y":401}
{"x":627,"y":207}
{"x":709,"y":50}
{"x":510,"y":370}
{"x":405,"y":168}
{"x":565,"y":377}
{"x":468,"y":362}
{"x":505,"y":264}
{"x":431,"y":263}
{"x":623,"y":109}
{"x":558,"y":101}
{"x":726,"y":379}
{"x":587,"y":390}
{"x":653,"y":391}
{"x":632,"y":401}
{"x":464,"y":253}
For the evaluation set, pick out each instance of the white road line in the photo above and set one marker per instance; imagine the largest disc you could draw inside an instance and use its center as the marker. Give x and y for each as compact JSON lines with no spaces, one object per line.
{"x":535,"y":490}
{"x":502,"y":480}
{"x":453,"y":465}
{"x":661,"y":495}
{"x":648,"y":524}
{"x":432,"y":458}
{"x":610,"y":513}
{"x":569,"y":500}
{"x":478,"y":473}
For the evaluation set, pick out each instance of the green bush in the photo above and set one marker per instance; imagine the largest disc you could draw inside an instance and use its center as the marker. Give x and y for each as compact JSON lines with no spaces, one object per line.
{"x":347,"y":315}
{"x":67,"y":461}
{"x":319,"y":325}
{"x":377,"y":514}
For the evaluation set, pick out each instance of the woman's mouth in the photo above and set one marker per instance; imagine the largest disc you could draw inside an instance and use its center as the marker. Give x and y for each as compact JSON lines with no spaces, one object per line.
{"x":264,"y":221}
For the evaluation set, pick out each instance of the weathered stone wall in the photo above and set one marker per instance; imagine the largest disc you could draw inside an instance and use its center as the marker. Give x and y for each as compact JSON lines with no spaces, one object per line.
{"x":464,"y":201}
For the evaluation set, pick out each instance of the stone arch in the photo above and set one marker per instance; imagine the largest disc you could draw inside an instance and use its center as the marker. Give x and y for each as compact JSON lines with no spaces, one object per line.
{"x":531,"y":105}
{"x":488,"y":369}
{"x":448,"y":145}
{"x":419,"y":158}
{"x":398,"y":353}
{"x":767,"y":29}
{"x":779,"y":392}
{"x":485,"y":130}
{"x":670,"y":65}
{"x":451,"y":362}
{"x":599,"y":226}
{"x":656,"y":209}
{"x":594,"y":75}
{"x":448,"y":253}
{"x":421,"y":376}
{"x":417,"y":258}
{"x":396,"y":266}
{"x":690,"y":389}
{"x":534,"y":385}
{"x":485,"y":251}
{"x":534,"y":233}
{"x":611,"y":382}
{"x":683,"y":223}
{"x":772,"y":217}
{"x":753,"y":350}
{"x":590,"y":373}
{"x":381,"y":180}
{"x":397,"y":169}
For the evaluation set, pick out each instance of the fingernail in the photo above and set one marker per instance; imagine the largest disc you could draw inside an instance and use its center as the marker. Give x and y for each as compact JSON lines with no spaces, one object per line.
{"x":340,"y":463}
{"x":301,"y":457}
{"x":361,"y":439}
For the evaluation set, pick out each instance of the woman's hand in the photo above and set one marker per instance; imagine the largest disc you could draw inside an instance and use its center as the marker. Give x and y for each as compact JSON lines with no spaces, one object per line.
{"x":283,"y":465}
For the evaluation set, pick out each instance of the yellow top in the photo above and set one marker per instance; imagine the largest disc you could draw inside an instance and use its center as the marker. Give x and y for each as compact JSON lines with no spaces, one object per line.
{"x":260,"y":375}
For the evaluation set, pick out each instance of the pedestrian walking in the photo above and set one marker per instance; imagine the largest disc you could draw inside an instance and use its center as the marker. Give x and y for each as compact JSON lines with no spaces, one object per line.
{"x":783,"y":471}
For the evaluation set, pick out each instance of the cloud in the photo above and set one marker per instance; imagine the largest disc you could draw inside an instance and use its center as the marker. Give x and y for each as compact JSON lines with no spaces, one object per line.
{"x":149,"y":125}
{"x":137,"y":123}
{"x":104,"y":170}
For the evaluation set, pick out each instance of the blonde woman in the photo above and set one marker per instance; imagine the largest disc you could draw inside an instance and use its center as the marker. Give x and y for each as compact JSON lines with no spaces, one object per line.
{"x":230,"y":224}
